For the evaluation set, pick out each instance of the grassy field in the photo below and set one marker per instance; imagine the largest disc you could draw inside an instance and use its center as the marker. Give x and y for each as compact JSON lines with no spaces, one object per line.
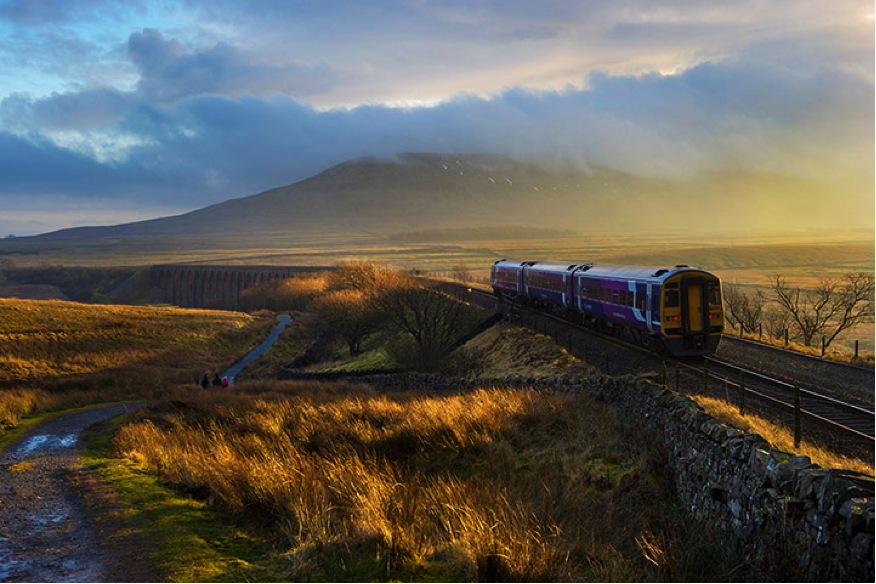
{"x":56,"y":354}
{"x":278,"y":481}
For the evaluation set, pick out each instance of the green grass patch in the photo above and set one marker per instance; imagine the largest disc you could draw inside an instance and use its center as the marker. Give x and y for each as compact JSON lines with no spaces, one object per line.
{"x":187,"y":541}
{"x":375,"y":358}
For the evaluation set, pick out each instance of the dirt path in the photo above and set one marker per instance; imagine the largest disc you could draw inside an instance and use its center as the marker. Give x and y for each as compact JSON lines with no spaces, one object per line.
{"x":45,"y":533}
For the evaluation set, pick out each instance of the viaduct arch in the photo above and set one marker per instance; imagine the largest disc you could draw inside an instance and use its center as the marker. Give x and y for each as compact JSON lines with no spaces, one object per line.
{"x":215,"y":286}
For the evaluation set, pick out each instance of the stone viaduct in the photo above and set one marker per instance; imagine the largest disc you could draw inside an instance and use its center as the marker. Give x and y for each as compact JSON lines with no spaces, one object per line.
{"x":215,"y":286}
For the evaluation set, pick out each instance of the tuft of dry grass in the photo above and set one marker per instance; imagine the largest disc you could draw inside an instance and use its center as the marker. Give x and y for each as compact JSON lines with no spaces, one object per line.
{"x":781,"y":437}
{"x":510,"y":350}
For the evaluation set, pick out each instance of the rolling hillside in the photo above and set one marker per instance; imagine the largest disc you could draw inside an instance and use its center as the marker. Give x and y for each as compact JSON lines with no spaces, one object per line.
{"x":415,"y":192}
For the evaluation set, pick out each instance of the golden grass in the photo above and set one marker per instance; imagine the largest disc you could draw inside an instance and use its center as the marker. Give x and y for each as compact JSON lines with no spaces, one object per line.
{"x":489,"y":484}
{"x":510,"y":350}
{"x":46,"y":339}
{"x":781,"y":437}
{"x":57,"y":355}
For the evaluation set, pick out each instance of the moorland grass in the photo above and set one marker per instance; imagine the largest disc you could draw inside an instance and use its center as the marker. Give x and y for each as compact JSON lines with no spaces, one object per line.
{"x":352,"y":484}
{"x":56,"y":355}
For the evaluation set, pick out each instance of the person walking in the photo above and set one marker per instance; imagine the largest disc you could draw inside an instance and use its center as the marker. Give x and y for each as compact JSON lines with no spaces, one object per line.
{"x":225,"y":382}
{"x":205,"y":381}
{"x":216,"y":381}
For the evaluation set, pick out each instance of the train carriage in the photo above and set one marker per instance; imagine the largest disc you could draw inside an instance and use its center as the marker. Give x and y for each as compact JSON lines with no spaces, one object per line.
{"x":507,"y":278}
{"x":548,"y":284}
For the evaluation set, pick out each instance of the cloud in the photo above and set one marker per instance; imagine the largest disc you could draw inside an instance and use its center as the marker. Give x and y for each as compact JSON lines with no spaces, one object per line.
{"x":219,"y":111}
{"x":755,"y":116}
{"x":168,"y":72}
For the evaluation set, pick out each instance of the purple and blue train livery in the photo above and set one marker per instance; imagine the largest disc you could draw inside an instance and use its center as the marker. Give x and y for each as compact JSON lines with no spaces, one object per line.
{"x":678,"y":309}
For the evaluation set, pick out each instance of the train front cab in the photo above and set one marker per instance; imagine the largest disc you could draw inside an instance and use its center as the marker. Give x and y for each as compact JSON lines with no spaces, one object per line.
{"x":693,"y":316}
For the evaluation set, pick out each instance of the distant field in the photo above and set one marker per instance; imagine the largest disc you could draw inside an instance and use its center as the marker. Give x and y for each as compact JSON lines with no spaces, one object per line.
{"x":748,"y":259}
{"x":438,"y":250}
{"x":47,"y":339}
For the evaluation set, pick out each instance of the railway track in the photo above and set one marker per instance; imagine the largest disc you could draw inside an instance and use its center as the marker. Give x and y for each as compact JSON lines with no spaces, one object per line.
{"x":814,"y":405}
{"x":850,"y":422}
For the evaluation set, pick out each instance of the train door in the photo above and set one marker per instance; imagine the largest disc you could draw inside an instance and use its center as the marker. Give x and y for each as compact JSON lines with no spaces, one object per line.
{"x":695,"y":308}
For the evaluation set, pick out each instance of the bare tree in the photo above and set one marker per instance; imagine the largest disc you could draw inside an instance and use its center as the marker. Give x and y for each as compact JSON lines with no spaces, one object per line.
{"x":349,"y":314}
{"x":361,"y":275}
{"x":433,"y":320}
{"x":744,"y":309}
{"x":831,"y":308}
{"x":462,"y":273}
{"x":776,"y":323}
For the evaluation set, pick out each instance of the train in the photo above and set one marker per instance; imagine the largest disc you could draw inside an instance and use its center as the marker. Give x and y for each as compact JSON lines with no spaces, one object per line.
{"x":676,"y":310}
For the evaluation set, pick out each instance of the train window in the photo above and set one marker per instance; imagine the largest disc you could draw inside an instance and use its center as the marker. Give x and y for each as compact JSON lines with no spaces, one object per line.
{"x":714,"y":294}
{"x":622,"y":300}
{"x":640,"y":301}
{"x":614,"y":297}
{"x":631,"y":298}
{"x":671,"y":299}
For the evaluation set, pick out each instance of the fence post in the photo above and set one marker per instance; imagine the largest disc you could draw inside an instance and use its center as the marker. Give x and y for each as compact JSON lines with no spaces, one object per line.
{"x":796,"y":417}
{"x":822,"y":346}
{"x":786,"y":337}
{"x":677,"y":379}
{"x":665,"y":376}
{"x":760,"y":330}
{"x":742,"y":393}
{"x":706,"y":378}
{"x":856,"y":349}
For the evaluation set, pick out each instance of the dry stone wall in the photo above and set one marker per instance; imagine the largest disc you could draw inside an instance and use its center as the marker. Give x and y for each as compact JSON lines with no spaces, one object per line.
{"x":773,"y":502}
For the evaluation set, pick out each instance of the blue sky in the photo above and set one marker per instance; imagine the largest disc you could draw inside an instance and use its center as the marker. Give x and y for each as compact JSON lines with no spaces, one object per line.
{"x":113,"y":111}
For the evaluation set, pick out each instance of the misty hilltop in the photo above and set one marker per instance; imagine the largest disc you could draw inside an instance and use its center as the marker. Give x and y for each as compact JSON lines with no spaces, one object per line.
{"x":414,"y":192}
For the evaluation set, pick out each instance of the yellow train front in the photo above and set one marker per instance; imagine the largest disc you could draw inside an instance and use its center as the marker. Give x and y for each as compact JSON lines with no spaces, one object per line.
{"x":692,"y":315}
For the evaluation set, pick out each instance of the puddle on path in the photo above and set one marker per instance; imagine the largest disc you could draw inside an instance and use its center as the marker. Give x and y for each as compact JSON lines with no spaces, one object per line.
{"x":44,"y":442}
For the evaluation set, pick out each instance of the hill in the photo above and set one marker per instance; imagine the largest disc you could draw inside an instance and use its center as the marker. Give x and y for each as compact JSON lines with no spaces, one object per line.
{"x":414,"y":192}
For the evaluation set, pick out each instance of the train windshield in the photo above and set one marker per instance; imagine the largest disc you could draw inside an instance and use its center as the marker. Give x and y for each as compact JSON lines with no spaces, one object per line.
{"x":714,"y":294}
{"x":671,"y":299}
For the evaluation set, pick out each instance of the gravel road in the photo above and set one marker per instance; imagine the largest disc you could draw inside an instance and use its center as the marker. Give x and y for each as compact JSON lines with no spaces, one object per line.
{"x":45,"y":533}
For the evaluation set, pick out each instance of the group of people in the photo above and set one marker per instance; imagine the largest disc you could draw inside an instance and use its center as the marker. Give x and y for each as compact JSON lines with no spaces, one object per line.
{"x":217,"y":382}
